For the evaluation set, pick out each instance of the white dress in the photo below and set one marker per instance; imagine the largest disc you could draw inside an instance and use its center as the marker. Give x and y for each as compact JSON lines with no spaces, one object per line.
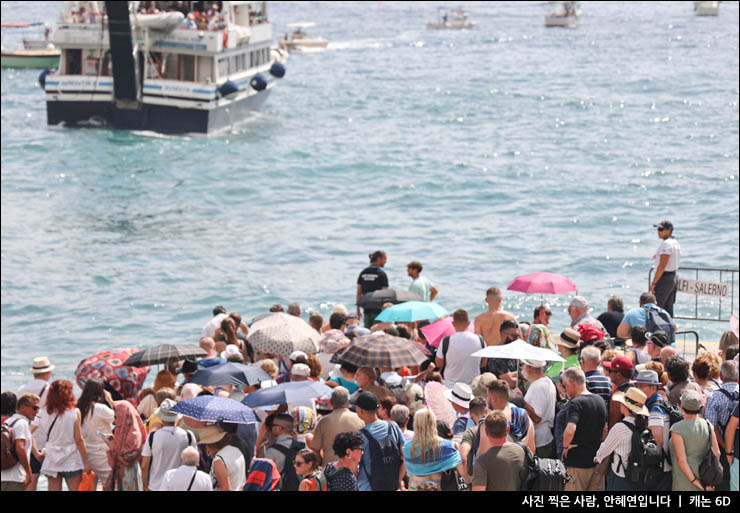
{"x":61,"y":451}
{"x":99,"y":418}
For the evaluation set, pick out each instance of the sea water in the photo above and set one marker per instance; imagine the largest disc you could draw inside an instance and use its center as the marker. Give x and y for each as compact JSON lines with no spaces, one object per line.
{"x":485,"y":154}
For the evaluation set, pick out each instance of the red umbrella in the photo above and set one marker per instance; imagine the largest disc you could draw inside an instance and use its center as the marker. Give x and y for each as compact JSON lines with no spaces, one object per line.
{"x":108,"y":366}
{"x":542,"y":283}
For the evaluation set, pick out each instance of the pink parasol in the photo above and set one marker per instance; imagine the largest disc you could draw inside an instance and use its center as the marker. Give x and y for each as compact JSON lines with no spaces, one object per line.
{"x":434,"y":396}
{"x":734,"y":325}
{"x":436,"y":331}
{"x":542,"y":283}
{"x":108,"y":366}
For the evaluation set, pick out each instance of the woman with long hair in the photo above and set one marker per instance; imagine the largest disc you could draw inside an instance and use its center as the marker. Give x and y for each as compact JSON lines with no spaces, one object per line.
{"x":124,"y":452}
{"x":428,"y":455}
{"x":96,"y":412}
{"x":307,"y":468}
{"x":619,"y":439}
{"x":65,"y":455}
{"x":229,"y":468}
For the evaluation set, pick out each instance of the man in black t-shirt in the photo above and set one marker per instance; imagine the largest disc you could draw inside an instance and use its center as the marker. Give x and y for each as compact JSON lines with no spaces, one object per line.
{"x":372,"y":278}
{"x":582,"y":437}
{"x":613,"y":316}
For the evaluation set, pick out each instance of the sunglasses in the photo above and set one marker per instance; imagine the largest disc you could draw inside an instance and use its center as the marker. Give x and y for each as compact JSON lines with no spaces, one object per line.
{"x":299,"y":463}
{"x":548,"y":314}
{"x":357,"y":449}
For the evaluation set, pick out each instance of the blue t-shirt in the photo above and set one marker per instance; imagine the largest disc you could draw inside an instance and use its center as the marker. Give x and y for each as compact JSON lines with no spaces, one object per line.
{"x":638,"y":316}
{"x":352,"y":386}
{"x":378,"y":430}
{"x":212,"y":362}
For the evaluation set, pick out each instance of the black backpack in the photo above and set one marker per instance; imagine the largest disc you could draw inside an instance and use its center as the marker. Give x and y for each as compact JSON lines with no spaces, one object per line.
{"x":644,"y":467}
{"x":660,"y":320}
{"x":542,"y":474}
{"x":674,"y":413}
{"x":446,"y":346}
{"x":385,"y":461}
{"x":289,"y":480}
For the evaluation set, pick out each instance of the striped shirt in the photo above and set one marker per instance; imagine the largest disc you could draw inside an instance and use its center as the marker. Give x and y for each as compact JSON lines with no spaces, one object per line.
{"x":619,"y":442}
{"x":597,"y":383}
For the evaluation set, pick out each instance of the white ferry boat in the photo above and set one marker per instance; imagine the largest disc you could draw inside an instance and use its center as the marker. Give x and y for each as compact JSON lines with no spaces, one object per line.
{"x":180,"y":67}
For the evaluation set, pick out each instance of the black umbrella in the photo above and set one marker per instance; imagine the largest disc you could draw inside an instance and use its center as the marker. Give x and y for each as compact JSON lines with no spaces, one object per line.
{"x":164,"y":353}
{"x":376,"y":299}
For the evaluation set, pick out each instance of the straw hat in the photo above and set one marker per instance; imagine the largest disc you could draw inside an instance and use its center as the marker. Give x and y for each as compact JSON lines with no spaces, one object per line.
{"x":41,"y":364}
{"x":569,"y":338}
{"x":634,"y":399}
{"x":210,"y":434}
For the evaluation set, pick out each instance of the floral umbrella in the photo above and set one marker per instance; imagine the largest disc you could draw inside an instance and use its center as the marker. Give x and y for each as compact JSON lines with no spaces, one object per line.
{"x":109,"y":366}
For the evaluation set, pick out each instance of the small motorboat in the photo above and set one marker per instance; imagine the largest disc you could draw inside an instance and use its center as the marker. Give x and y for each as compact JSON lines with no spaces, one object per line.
{"x":36,"y":53}
{"x":566,"y":17}
{"x":706,"y":8}
{"x":298,"y":40}
{"x":456,"y":21}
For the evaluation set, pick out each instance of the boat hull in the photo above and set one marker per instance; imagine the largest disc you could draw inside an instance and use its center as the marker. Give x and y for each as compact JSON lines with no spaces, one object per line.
{"x":561,"y":21}
{"x":308,"y":43}
{"x":153,"y":117}
{"x":42,"y":61}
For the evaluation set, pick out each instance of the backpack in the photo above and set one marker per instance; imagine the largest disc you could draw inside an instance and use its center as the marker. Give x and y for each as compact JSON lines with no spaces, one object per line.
{"x":289,"y":480}
{"x":644,"y":467}
{"x":446,"y":346}
{"x":660,"y":320}
{"x":452,"y":481}
{"x":322,"y":484}
{"x":542,"y":474}
{"x":385,"y":461}
{"x":7,"y":435}
{"x":674,"y":413}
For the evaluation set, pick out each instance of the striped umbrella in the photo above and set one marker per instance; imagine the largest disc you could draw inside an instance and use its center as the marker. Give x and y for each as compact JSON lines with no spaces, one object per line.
{"x":382,"y":350}
{"x":280,"y":334}
{"x":212,"y":408}
{"x":164,"y":353}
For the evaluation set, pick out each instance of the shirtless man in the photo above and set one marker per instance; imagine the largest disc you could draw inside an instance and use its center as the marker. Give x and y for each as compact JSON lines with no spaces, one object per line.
{"x":488,"y":324}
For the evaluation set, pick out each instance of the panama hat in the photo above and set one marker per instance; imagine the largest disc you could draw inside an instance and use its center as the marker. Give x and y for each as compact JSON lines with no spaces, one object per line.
{"x":210,"y":434}
{"x":461,"y":394}
{"x":634,"y":399}
{"x":569,"y":338}
{"x":41,"y":364}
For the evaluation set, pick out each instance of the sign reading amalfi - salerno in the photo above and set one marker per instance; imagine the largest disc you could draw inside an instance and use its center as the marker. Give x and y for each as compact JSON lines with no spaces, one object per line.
{"x":702,"y":288}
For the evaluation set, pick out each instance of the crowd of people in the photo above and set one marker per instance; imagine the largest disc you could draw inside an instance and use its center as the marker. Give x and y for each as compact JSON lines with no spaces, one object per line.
{"x":382,"y":429}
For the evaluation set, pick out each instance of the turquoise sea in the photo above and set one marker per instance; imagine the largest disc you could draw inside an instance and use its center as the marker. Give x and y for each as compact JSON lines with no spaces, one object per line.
{"x":485,"y":154}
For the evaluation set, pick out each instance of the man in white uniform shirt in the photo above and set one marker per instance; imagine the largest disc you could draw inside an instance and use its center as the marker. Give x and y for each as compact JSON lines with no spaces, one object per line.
{"x":540,"y":405}
{"x":667,"y":261}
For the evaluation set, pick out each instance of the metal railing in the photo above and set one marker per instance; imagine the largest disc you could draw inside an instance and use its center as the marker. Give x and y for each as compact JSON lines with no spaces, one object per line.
{"x":697,"y":345}
{"x":733,"y":274}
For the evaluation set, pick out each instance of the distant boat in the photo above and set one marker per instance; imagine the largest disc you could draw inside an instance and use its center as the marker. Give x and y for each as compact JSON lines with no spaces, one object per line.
{"x":36,"y":53}
{"x":298,"y":40}
{"x":567,"y":17}
{"x":455,"y":21}
{"x":706,"y":8}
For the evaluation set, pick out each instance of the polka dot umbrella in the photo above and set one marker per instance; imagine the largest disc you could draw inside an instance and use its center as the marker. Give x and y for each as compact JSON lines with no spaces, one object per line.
{"x":280,"y":334}
{"x":212,"y":408}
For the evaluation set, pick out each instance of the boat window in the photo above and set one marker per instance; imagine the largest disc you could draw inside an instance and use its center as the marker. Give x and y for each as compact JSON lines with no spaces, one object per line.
{"x":187,"y":68}
{"x":74,"y":62}
{"x":169,"y":66}
{"x":223,"y":67}
{"x":205,"y":69}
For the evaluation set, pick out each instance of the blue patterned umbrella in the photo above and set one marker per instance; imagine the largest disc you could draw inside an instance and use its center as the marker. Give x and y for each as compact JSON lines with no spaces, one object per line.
{"x":214,"y":409}
{"x":287,"y":393}
{"x":230,"y":373}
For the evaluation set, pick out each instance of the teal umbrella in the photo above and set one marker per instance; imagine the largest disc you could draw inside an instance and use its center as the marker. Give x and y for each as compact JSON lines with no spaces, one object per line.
{"x":412,"y":311}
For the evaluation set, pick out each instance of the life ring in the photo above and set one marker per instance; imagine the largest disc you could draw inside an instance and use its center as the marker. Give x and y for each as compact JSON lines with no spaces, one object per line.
{"x":226,"y":38}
